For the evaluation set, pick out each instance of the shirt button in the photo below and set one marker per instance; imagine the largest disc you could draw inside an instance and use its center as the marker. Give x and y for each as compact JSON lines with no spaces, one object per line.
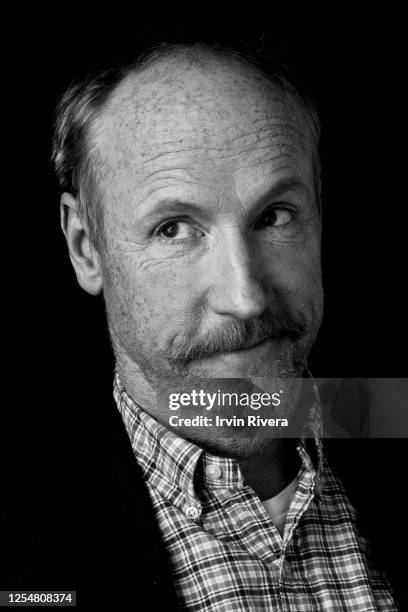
{"x":213,"y":471}
{"x":192,"y":512}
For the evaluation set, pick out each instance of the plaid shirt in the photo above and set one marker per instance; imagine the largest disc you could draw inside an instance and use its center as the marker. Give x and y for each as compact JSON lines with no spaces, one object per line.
{"x":226,"y":554}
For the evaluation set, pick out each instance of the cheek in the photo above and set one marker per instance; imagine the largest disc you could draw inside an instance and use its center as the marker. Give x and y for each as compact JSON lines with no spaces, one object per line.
{"x":165,"y":294}
{"x":149,"y":300}
{"x":297,"y":267}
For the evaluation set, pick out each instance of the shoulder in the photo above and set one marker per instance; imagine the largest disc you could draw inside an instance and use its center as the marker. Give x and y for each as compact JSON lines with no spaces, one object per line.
{"x":366,"y":473}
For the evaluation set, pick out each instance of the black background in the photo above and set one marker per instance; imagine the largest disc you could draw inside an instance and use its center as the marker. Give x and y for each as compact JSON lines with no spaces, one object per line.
{"x":56,"y":351}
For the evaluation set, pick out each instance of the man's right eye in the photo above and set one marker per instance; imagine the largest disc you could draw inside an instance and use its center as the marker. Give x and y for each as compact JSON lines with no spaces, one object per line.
{"x":176,"y":230}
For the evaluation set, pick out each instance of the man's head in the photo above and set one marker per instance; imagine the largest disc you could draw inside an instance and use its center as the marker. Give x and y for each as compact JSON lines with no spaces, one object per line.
{"x":195,"y":209}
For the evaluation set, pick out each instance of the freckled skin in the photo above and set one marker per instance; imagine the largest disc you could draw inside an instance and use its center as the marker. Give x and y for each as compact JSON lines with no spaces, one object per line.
{"x":222,"y":138}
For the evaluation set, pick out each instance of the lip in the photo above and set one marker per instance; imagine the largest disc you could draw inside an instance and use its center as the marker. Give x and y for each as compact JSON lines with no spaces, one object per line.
{"x":266,"y":349}
{"x":247,"y":349}
{"x":242,"y":352}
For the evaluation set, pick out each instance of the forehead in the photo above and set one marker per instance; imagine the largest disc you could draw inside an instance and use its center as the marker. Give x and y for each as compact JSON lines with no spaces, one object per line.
{"x":208,"y":119}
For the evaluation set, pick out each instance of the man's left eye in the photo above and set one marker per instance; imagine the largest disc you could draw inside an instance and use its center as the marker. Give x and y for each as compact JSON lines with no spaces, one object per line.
{"x":274,"y":217}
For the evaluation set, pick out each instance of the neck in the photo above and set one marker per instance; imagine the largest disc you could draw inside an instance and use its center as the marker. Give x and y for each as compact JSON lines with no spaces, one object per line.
{"x":270,"y":472}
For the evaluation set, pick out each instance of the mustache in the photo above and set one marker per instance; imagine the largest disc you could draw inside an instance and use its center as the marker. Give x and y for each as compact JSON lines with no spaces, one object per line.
{"x":239,"y":334}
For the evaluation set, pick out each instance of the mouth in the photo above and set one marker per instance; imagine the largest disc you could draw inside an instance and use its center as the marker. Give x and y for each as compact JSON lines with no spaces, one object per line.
{"x":247,"y":356}
{"x":249,"y":346}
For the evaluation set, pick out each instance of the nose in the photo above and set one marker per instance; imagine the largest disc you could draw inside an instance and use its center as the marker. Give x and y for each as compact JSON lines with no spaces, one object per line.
{"x":236,"y":275}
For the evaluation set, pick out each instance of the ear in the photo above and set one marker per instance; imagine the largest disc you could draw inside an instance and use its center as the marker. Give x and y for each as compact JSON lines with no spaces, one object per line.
{"x":84,"y":257}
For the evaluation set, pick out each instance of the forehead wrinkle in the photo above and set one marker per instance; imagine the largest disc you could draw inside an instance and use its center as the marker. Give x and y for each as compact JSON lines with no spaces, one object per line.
{"x":232,"y":132}
{"x":224,"y":151}
{"x":177,"y":152}
{"x":281,"y":168}
{"x":154,"y":175}
{"x":275,"y":128}
{"x":257,"y":150}
{"x":171,"y":184}
{"x":134,"y":115}
{"x":283,"y":150}
{"x":268,"y":162}
{"x":212,"y":134}
{"x":152,"y":188}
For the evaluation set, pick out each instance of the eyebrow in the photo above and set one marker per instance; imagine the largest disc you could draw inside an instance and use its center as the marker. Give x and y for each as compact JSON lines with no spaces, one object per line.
{"x":173,"y":205}
{"x":291,"y":184}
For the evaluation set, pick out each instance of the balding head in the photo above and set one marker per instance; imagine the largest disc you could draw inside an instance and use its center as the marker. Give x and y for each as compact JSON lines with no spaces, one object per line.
{"x":199,"y":80}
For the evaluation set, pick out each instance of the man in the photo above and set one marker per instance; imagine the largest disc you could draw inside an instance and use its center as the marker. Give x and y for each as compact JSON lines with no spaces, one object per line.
{"x":192,"y":202}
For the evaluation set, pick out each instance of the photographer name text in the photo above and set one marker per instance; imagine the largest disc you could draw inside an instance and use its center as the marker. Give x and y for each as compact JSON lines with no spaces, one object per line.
{"x":234,"y":421}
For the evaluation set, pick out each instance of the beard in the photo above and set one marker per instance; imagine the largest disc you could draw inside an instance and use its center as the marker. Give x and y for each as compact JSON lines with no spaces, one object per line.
{"x":188,"y":355}
{"x":191,"y":354}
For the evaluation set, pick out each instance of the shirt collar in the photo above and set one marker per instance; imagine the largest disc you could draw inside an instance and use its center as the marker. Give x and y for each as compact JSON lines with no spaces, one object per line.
{"x":174,"y":464}
{"x":161,"y":454}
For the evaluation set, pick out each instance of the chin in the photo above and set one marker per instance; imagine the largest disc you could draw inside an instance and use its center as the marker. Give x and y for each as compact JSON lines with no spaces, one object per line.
{"x":243,"y":445}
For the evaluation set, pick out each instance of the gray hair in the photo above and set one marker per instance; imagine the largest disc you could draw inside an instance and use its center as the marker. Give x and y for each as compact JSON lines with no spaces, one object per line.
{"x":75,"y":166}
